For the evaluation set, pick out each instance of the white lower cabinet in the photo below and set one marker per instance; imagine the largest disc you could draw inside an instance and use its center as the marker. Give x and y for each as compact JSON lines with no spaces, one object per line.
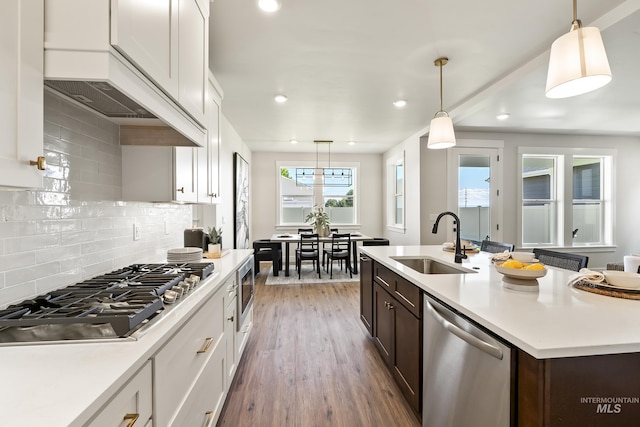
{"x":230,"y":333}
{"x":132,"y":405}
{"x":184,"y":359}
{"x":204,"y":403}
{"x":187,"y":380}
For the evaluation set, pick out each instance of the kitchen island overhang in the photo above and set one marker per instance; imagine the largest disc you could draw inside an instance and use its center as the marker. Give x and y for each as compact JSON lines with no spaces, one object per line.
{"x":555,"y":321}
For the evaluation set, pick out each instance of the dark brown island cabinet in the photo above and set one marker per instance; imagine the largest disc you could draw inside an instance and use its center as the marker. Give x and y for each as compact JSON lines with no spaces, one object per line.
{"x":594,"y":391}
{"x":392,"y":307}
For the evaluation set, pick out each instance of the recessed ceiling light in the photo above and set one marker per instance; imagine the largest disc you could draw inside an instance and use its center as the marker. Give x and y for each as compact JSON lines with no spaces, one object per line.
{"x":294,"y":141}
{"x":280,"y":99}
{"x":400,"y":103}
{"x":269,"y":5}
{"x":503,"y":116}
{"x":351,"y":143}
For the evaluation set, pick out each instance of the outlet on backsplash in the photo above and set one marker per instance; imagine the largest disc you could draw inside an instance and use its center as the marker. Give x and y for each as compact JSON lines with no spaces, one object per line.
{"x":136,"y":231}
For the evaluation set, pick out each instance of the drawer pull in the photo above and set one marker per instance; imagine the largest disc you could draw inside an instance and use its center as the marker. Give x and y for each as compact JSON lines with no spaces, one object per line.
{"x":180,"y":190}
{"x":230,"y":319}
{"x":209,"y":421}
{"x":205,"y":347}
{"x":132,"y":418}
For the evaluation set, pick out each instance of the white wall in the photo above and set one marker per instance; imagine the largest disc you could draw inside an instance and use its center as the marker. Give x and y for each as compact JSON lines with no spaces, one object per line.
{"x":265,"y":176}
{"x":627,"y":240}
{"x":230,"y":142}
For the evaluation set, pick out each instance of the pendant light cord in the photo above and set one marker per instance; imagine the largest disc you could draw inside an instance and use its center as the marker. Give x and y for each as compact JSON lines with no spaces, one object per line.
{"x":576,"y":23}
{"x":442,"y":109}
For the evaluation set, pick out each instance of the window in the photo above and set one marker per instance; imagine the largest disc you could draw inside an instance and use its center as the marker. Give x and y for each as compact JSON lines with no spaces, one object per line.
{"x":297,"y":201}
{"x":399,"y":194}
{"x":566,"y":197}
{"x":395,"y":200}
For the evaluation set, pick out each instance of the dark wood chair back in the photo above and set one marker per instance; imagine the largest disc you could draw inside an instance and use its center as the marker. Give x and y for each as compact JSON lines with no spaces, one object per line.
{"x":308,"y":250}
{"x":565,"y":260}
{"x":496,"y":247}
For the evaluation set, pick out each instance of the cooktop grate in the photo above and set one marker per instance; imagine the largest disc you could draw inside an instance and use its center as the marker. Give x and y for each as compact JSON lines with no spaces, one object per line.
{"x":111,"y":305}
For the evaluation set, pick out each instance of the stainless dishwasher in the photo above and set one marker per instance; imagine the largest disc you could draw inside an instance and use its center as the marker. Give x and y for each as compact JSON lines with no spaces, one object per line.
{"x":467,"y":372}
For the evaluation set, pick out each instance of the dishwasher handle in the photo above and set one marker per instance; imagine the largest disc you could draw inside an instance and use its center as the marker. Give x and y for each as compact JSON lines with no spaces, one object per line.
{"x":464,"y":335}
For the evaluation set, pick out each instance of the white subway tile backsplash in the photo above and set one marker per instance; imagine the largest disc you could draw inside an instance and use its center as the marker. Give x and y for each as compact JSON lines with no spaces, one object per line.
{"x":58,"y":253}
{"x":77,"y":226}
{"x":11,"y":294}
{"x":21,"y":275}
{"x":18,"y":260}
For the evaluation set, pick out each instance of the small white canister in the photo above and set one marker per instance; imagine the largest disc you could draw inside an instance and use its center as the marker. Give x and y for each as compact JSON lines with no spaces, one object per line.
{"x":631,"y":263}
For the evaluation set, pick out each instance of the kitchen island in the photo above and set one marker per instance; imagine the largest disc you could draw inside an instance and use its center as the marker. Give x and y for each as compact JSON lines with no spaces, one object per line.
{"x":574,"y":352}
{"x":70,"y":383}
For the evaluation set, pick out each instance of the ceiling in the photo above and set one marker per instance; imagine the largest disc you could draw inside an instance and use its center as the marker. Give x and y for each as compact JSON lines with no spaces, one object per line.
{"x":343,"y":63}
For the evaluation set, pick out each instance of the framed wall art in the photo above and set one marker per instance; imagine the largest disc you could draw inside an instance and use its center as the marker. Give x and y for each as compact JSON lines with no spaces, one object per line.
{"x":241,"y":201}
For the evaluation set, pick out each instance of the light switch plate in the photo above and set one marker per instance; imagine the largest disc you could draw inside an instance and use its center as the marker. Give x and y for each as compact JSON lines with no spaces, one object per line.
{"x":136,"y":231}
{"x":166,"y":227}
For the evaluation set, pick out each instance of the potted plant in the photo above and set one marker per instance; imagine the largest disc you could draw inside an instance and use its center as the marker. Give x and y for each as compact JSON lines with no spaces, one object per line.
{"x":214,"y":237}
{"x":320,"y":220}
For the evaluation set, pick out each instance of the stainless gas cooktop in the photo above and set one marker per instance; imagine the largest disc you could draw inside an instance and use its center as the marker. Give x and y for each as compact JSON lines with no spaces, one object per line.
{"x":113,"y":305}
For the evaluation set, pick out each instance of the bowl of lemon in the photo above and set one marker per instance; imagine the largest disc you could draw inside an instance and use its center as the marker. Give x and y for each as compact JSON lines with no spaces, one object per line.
{"x":521,"y":270}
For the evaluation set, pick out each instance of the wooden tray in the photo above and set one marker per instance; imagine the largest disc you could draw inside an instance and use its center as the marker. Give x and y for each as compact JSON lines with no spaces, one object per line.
{"x":215,"y":256}
{"x":606,"y":290}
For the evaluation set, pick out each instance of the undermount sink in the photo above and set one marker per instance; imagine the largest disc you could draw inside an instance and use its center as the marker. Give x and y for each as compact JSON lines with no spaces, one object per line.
{"x":426,"y":265}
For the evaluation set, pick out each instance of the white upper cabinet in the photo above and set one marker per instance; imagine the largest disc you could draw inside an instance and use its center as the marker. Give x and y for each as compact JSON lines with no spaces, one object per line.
{"x":194,"y":56}
{"x":168,"y":41}
{"x":145,"y":33}
{"x":159,"y":174}
{"x":153,"y":52}
{"x":21,"y":93}
{"x":209,"y":157}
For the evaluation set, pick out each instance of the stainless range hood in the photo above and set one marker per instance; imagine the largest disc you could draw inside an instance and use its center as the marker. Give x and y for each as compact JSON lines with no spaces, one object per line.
{"x":81,"y":63}
{"x":101,"y":97}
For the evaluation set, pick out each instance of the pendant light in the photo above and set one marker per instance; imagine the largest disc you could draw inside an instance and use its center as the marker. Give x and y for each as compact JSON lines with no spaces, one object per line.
{"x":324,"y":177}
{"x":441,"y":133}
{"x":578,"y":62}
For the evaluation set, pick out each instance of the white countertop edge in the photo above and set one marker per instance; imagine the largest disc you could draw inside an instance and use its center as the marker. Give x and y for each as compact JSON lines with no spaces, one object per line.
{"x":544,"y":344}
{"x":65,"y":384}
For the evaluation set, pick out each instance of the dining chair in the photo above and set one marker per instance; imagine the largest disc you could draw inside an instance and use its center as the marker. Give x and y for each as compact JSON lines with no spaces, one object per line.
{"x":496,"y":247}
{"x":308,"y":250}
{"x":325,"y":244}
{"x":266,"y":250}
{"x":340,"y":250}
{"x":567,"y":261}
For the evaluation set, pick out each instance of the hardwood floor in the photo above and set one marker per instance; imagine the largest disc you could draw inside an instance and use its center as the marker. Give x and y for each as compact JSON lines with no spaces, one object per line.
{"x":308,"y":362}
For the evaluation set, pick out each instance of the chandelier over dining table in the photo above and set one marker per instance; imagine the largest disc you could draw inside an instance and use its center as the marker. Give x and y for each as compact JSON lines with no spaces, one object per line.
{"x":324,"y":176}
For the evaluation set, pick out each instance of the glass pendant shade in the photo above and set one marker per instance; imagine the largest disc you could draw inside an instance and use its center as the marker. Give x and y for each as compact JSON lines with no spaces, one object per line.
{"x":441,"y":133}
{"x":578,"y":64}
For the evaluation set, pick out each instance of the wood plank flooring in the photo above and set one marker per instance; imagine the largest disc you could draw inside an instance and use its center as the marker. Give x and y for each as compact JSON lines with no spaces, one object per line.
{"x":308,"y":362}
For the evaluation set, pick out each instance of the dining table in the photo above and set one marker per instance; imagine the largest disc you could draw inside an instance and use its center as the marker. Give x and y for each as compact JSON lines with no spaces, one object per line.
{"x":288,"y":238}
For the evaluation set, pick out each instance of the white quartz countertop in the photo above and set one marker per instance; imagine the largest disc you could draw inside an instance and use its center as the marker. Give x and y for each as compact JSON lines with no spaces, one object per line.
{"x":556,"y":320}
{"x":65,"y":384}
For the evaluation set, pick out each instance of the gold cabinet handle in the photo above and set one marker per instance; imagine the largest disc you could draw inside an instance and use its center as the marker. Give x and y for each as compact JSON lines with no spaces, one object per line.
{"x":132,"y":418}
{"x":209,"y":421}
{"x":205,"y":347}
{"x":180,"y":190}
{"x":40,"y":163}
{"x":230,"y":319}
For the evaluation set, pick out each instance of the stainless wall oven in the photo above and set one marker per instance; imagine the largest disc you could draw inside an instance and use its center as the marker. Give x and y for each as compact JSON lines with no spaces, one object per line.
{"x":246,"y":285}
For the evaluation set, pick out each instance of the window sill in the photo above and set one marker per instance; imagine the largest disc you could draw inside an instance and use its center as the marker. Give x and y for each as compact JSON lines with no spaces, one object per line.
{"x":396,"y":229}
{"x":584,"y":248}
